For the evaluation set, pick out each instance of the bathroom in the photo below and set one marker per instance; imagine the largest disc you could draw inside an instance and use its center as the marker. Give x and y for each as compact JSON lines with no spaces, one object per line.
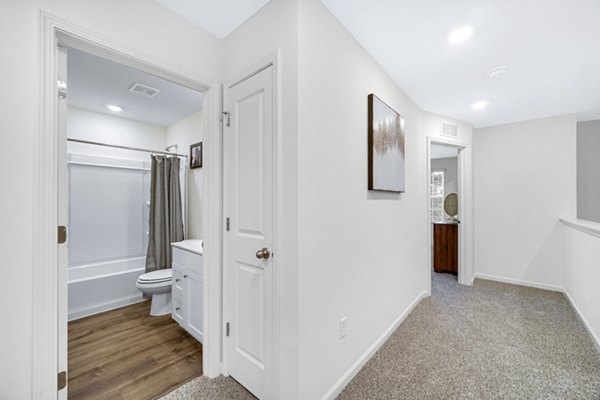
{"x":125,"y":211}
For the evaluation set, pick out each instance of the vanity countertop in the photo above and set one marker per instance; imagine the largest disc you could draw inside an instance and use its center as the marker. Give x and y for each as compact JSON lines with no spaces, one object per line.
{"x":449,"y":222}
{"x":193,"y":245}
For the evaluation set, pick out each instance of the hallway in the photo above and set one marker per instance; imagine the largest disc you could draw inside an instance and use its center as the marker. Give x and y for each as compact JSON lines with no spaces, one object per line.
{"x":489,"y":341}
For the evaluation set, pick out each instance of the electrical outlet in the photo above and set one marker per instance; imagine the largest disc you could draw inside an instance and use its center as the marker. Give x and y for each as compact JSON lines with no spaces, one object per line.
{"x":343,"y":327}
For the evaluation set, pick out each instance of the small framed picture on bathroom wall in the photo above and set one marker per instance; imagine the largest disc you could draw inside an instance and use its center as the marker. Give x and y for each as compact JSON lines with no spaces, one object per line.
{"x":196,"y":155}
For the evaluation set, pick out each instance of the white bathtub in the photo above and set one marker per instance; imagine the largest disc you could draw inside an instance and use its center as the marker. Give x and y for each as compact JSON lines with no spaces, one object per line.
{"x":98,"y":287}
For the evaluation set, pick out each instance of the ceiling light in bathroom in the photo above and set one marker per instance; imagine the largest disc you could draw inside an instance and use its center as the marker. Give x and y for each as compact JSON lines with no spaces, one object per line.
{"x":114,"y":108}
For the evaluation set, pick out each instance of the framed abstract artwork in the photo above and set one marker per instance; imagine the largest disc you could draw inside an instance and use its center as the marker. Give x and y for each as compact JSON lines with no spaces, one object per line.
{"x":386,"y":147}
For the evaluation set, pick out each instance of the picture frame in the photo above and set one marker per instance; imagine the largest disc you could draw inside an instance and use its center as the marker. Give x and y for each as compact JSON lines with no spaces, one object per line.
{"x":386,"y":156}
{"x":196,"y":155}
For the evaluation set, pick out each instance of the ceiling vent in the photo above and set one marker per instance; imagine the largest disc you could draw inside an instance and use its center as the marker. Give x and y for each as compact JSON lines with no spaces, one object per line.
{"x":143,"y":90}
{"x":449,"y":129}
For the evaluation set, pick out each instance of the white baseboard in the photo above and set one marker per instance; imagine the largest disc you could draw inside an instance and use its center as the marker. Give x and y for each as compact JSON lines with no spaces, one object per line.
{"x":97,"y":309}
{"x":519,"y":282}
{"x":587,"y":326}
{"x":337,"y":388}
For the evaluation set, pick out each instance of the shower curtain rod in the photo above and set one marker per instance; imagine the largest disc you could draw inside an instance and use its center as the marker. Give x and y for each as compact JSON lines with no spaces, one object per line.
{"x":125,"y":147}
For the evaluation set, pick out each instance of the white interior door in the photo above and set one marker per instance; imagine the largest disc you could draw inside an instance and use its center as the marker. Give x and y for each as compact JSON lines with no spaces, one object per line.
{"x":248,"y":205}
{"x":63,"y":214}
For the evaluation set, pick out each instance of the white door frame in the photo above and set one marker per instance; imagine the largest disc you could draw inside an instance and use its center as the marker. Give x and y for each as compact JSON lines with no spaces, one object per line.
{"x":270,"y":60}
{"x":53,"y":31}
{"x":465,"y":207}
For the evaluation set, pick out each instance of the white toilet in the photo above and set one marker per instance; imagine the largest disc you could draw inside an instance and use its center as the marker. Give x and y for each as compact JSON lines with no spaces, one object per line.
{"x":157,"y":284}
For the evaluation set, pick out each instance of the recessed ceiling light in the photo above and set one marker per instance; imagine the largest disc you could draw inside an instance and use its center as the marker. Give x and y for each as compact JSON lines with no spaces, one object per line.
{"x":497,"y":72}
{"x":114,"y":108}
{"x":479,"y":105}
{"x":460,"y":35}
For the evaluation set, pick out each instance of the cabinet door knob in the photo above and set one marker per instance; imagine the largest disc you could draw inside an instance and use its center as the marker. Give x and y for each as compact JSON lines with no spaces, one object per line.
{"x":177,"y":308}
{"x":177,"y":280}
{"x":185,"y":276}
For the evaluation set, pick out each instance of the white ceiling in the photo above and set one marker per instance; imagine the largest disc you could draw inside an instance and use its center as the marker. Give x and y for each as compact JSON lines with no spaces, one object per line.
{"x":550,"y":47}
{"x":219,"y":17}
{"x":95,"y":81}
{"x":441,"y":151}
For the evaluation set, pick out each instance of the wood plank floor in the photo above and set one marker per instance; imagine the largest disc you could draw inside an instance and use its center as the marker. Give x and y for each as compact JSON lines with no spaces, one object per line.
{"x":127,"y":354}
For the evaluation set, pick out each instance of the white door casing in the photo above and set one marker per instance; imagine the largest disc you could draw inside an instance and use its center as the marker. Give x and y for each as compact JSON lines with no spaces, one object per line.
{"x":49,"y":328}
{"x":248,"y":204}
{"x":63,"y":220}
{"x":465,"y":205}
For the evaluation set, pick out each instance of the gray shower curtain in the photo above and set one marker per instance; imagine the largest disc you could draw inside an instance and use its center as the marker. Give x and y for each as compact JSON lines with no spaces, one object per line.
{"x":166,"y":218}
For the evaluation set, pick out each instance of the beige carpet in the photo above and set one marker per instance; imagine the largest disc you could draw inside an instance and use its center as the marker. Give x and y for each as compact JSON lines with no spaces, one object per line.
{"x":489,"y":341}
{"x":220,"y":388}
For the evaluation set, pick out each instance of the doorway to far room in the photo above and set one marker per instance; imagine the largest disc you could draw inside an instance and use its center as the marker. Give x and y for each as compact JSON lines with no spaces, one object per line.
{"x":444,"y":189}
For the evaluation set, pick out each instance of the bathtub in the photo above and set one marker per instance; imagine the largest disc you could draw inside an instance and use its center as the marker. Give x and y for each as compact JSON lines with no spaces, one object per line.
{"x":103,"y":286}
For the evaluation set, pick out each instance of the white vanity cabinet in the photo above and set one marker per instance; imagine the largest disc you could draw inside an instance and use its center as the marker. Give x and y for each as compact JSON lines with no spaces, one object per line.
{"x":187,"y":295}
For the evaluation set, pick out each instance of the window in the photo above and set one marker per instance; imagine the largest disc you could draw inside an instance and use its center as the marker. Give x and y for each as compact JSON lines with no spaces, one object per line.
{"x":436,"y":195}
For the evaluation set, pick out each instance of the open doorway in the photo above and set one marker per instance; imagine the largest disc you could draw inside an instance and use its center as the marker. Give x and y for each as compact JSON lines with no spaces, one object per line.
{"x":444,"y":214}
{"x":461,"y":219}
{"x":130,"y":196}
{"x":50,"y":249}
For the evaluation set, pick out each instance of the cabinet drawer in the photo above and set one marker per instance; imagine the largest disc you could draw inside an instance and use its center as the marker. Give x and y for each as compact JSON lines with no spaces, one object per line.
{"x":178,"y":294}
{"x":177,"y":312}
{"x":178,"y":278}
{"x":187,"y":259}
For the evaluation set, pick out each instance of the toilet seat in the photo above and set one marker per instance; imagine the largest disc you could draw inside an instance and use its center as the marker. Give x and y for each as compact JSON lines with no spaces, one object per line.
{"x":155,"y":277}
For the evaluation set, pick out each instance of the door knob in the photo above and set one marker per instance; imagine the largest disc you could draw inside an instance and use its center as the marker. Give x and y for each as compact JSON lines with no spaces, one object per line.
{"x":263,"y":253}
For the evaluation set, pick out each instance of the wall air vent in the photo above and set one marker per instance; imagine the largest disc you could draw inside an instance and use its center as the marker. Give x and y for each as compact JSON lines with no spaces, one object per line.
{"x":449,"y":129}
{"x":143,"y":90}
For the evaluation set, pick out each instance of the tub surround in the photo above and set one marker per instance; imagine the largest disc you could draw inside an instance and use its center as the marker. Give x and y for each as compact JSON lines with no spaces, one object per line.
{"x":108,"y":221}
{"x":100,"y":287}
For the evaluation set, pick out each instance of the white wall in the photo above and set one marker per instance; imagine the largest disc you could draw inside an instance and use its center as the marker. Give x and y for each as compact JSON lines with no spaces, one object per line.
{"x":524,"y":181}
{"x":184,"y":133}
{"x":142,"y":25}
{"x":582,"y":276}
{"x":588,"y":170}
{"x":98,"y":127}
{"x":363,"y":255}
{"x":275,"y":27}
